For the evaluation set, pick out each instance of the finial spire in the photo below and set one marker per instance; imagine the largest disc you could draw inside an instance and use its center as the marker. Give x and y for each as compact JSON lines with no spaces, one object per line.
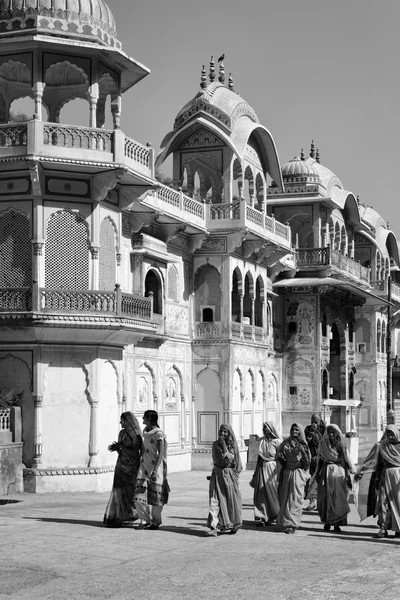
{"x":230,"y":82}
{"x":203,"y":79}
{"x":317,"y":156}
{"x":221,"y":76}
{"x":302,"y":155}
{"x":212,"y":69}
{"x":312,"y":149}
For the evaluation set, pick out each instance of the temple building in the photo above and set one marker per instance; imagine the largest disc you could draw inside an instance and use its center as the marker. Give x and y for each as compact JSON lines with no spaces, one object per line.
{"x":243,"y":292}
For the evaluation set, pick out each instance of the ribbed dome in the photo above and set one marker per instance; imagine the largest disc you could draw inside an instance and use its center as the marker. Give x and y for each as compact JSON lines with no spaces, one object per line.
{"x":297,"y":167}
{"x":67,"y":18}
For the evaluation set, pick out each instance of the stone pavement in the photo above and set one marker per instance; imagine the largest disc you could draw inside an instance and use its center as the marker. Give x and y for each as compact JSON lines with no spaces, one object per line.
{"x":54,"y":547}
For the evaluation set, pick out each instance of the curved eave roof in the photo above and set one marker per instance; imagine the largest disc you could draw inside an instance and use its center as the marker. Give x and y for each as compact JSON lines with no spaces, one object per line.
{"x":347,"y":201}
{"x":244,"y":129}
{"x":328,"y":179}
{"x":388,"y":242}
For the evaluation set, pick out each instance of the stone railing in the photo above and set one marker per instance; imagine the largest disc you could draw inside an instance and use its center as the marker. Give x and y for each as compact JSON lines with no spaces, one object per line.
{"x":180,"y":201}
{"x":82,"y":138}
{"x":136,"y":306}
{"x":5,"y":419}
{"x":208,"y":330}
{"x":15,"y":299}
{"x":219,"y":212}
{"x":115,"y":303}
{"x":307,"y":258}
{"x":13,"y":134}
{"x":77,"y":301}
{"x":81,"y":144}
{"x":244,"y":215}
{"x":312,"y":257}
{"x":350,"y":266}
{"x":137,"y":152}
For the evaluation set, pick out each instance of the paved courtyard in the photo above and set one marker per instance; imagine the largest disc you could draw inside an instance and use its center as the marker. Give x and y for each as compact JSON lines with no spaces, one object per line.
{"x":55,"y":547}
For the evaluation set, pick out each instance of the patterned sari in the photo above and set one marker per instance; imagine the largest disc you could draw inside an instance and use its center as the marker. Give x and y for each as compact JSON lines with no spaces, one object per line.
{"x":121,"y":505}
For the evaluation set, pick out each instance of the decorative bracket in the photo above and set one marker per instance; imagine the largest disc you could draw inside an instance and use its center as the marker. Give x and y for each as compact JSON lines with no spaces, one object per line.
{"x":105,"y":182}
{"x":170,"y":230}
{"x":196,"y":241}
{"x":249,"y":247}
{"x":36,"y":175}
{"x":133,"y":194}
{"x":234,"y":239}
{"x":138,"y":220}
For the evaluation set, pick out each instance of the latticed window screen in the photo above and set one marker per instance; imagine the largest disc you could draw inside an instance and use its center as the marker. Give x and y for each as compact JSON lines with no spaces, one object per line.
{"x":15,"y":250}
{"x":173,"y":283}
{"x":107,"y":258}
{"x":66,"y":252}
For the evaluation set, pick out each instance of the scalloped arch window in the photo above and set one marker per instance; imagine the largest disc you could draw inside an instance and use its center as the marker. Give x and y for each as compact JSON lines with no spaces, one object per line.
{"x":66,"y":252}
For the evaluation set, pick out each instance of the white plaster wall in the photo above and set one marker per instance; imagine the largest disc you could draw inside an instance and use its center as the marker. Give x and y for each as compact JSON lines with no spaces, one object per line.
{"x":65,"y":415}
{"x":108,"y":413}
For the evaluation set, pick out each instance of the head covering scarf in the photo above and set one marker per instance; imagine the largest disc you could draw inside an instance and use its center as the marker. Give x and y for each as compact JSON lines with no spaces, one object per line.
{"x":329,"y":454}
{"x":391,"y":452}
{"x":132,"y":426}
{"x":271,"y":429}
{"x":316,"y":417}
{"x":302,"y":437}
{"x":230,"y":444}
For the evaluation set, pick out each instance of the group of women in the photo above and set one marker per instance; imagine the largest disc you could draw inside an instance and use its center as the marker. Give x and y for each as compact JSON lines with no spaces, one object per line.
{"x":140,"y":487}
{"x":280,"y":480}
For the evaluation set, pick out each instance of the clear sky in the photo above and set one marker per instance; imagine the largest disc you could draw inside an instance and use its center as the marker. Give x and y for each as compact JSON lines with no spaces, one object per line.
{"x":326,"y":70}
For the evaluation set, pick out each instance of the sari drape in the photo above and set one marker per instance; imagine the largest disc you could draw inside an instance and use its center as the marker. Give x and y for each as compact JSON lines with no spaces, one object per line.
{"x":293,"y":477}
{"x":121,"y":504}
{"x":265,"y":497}
{"x":333,"y":468}
{"x":224,"y":493}
{"x":388,"y":472}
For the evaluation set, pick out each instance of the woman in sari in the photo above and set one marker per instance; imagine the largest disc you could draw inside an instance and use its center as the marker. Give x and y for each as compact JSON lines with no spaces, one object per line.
{"x":225,"y":500}
{"x":387,"y":478}
{"x":121,"y":509}
{"x":265,"y":498}
{"x":365,"y":492}
{"x":294,"y":462}
{"x":313,"y":433}
{"x":332,"y":473}
{"x":152,"y":488}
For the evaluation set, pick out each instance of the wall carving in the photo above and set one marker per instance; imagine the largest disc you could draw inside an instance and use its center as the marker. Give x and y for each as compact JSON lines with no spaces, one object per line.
{"x":300,"y":321}
{"x":177,"y":319}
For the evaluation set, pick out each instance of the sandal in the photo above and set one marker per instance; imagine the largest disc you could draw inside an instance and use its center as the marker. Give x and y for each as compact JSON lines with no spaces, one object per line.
{"x":212,"y":533}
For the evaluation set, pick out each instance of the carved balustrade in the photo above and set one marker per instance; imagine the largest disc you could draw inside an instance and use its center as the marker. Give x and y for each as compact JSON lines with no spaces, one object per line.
{"x":15,"y":299}
{"x":81,"y":138}
{"x":137,"y":152}
{"x":225,"y":211}
{"x":208,"y":330}
{"x":307,"y":258}
{"x":5,"y":419}
{"x":180,"y":201}
{"x":13,"y":134}
{"x":136,"y":306}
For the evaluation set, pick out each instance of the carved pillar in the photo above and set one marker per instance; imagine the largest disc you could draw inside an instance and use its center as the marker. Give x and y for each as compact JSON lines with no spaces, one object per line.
{"x":95,"y":266}
{"x":38,"y":90}
{"x":352,"y":249}
{"x":93,"y":434}
{"x":241,"y":419}
{"x":252,"y":311}
{"x":194,"y":429}
{"x":93,"y":112}
{"x":241,"y":308}
{"x":183,"y":421}
{"x":37,"y":430}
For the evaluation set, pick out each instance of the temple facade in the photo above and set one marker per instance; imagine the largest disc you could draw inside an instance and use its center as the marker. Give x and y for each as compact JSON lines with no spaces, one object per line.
{"x":243,"y":292}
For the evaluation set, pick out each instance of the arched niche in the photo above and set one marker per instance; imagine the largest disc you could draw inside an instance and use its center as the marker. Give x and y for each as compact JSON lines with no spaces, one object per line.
{"x":236,"y":293}
{"x":207,"y":293}
{"x":153,"y":288}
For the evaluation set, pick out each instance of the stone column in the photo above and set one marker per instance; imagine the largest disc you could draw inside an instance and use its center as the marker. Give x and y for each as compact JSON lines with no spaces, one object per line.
{"x":93,"y":435}
{"x":241,"y":419}
{"x":37,"y":430}
{"x":38,"y":90}
{"x":183,"y":421}
{"x":194,"y":430}
{"x":95,"y":267}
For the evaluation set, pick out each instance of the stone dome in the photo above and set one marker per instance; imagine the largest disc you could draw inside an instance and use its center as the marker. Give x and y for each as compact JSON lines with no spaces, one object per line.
{"x":85,"y":19}
{"x":219,"y":102}
{"x":299,"y":170}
